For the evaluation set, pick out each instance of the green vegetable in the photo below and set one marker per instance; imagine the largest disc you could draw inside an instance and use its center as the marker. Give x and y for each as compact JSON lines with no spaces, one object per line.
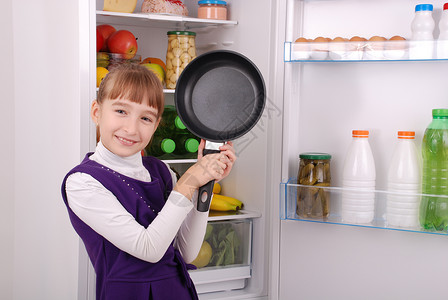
{"x":208,"y":231}
{"x":225,"y":244}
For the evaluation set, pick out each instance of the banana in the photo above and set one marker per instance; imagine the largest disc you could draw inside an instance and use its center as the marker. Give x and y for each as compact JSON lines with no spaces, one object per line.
{"x":216,"y":188}
{"x":221,"y":205}
{"x":229,"y":200}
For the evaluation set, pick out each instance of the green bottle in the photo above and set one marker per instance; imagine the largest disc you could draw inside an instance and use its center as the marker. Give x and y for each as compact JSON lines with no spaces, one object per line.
{"x":171,"y":123}
{"x":434,"y":210}
{"x":160,"y":146}
{"x":186,"y":144}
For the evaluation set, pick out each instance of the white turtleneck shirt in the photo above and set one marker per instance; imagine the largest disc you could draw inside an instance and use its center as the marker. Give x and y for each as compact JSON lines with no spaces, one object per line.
{"x":100,"y":209}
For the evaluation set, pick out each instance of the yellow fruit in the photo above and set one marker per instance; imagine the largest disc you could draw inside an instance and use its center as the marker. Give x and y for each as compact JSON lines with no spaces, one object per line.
{"x":102,"y":59}
{"x":230,"y":200}
{"x":100,"y":74}
{"x":156,"y":69}
{"x":154,"y":60}
{"x":221,"y":205}
{"x":204,"y":256}
{"x":217,"y":188}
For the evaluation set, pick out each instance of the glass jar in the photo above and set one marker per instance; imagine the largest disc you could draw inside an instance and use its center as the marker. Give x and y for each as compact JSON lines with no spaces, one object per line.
{"x":314,"y":173}
{"x":181,"y":50}
{"x":212,"y":9}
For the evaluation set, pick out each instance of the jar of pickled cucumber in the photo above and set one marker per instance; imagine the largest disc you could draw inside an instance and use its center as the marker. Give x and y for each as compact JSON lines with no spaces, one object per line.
{"x":181,"y":50}
{"x":313,"y":201}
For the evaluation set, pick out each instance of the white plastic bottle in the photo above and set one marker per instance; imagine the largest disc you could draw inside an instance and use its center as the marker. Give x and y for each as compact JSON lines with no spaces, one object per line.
{"x":358,"y":181}
{"x":404,"y":183}
{"x":422,"y":26}
{"x":442,"y":43}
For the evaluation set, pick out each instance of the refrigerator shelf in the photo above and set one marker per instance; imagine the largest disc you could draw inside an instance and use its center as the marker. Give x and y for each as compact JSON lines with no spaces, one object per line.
{"x":366,"y":51}
{"x":334,"y":195}
{"x":158,"y":20}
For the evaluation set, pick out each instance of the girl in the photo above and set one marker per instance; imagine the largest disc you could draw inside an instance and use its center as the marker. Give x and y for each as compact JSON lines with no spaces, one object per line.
{"x":138,"y":224}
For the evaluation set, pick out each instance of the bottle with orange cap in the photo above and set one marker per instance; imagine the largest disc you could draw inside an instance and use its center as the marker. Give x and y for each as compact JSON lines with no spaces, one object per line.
{"x":358,"y":181}
{"x":404,"y":183}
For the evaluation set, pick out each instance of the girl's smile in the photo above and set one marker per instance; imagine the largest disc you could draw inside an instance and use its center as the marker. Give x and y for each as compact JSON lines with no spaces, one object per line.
{"x":126,"y":127}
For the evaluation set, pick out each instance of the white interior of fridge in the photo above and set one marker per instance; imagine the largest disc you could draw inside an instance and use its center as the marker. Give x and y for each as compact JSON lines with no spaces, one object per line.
{"x":324,"y":102}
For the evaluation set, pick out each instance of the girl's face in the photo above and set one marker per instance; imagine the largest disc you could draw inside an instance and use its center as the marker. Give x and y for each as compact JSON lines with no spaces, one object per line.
{"x":125,"y":127}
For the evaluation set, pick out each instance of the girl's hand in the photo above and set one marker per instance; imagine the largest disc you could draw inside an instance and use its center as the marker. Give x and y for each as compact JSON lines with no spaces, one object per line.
{"x":214,"y":166}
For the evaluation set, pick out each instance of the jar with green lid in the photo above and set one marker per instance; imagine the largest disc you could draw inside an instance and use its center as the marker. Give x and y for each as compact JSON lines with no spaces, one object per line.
{"x":314,"y":171}
{"x":181,"y":50}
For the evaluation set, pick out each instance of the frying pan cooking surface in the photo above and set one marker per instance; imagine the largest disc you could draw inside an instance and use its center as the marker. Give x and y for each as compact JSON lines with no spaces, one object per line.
{"x":220,"y":96}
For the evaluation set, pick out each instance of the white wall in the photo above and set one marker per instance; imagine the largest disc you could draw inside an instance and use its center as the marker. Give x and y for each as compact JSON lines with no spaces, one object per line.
{"x":6,"y":151}
{"x":46,"y":124}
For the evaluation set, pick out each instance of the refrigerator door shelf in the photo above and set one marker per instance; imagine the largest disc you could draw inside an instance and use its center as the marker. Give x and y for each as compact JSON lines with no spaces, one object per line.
{"x":356,"y":207}
{"x":366,"y":51}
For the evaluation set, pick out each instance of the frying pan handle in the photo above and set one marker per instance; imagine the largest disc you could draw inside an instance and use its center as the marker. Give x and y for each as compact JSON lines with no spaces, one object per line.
{"x":205,"y":191}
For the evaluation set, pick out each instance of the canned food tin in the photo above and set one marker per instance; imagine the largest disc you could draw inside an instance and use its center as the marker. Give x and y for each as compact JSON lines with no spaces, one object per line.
{"x":181,"y":50}
{"x":314,"y":171}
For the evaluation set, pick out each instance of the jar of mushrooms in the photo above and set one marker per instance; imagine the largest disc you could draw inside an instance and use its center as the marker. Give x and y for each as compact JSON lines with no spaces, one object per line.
{"x":313,"y":201}
{"x":181,"y":50}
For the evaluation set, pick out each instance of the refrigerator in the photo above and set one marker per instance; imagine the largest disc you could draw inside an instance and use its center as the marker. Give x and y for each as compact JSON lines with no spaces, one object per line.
{"x":311,"y":105}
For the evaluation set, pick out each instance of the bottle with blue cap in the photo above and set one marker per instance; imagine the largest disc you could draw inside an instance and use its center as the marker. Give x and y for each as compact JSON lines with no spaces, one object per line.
{"x":442,"y":43}
{"x":422,"y":26}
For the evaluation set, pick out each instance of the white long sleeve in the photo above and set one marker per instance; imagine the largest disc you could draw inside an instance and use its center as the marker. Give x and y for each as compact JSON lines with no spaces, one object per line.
{"x":101,"y":210}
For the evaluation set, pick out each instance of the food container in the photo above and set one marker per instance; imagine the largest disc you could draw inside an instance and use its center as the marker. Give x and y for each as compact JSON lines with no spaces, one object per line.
{"x":173,"y":7}
{"x":212,"y":9}
{"x":314,"y":173}
{"x":224,"y":261}
{"x":181,"y":50}
{"x":112,"y":60}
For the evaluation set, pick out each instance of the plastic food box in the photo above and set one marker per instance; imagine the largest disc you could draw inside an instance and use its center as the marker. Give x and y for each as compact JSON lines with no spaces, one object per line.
{"x":230,"y":263}
{"x":111,"y":60}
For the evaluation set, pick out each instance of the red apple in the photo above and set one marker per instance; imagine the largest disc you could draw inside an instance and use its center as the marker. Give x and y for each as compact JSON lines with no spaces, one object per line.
{"x":99,"y":40}
{"x":106,"y":30}
{"x":123,"y":42}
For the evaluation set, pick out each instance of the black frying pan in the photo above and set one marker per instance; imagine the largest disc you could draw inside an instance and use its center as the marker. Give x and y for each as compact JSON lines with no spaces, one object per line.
{"x":219,"y":97}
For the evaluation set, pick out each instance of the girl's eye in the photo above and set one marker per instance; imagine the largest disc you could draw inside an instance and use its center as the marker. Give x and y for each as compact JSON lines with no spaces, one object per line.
{"x":146,"y":119}
{"x":120,"y":111}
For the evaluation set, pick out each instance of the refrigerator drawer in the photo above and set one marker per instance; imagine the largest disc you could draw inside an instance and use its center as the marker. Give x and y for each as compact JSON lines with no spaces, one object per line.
{"x":363,"y":208}
{"x":224,"y":262}
{"x":222,"y":279}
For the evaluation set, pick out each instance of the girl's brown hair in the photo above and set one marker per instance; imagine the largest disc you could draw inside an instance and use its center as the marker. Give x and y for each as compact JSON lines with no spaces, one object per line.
{"x":135,"y":83}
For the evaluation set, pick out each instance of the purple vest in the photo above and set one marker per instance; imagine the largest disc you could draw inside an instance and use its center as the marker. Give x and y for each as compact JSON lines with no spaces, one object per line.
{"x":120,"y":275}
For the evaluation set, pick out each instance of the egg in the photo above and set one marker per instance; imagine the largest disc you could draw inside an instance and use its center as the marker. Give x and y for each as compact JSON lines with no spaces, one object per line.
{"x":338,"y":40}
{"x":338,"y":44}
{"x":320,"y":39}
{"x":397,"y":38}
{"x":321,"y":44}
{"x":357,"y":39}
{"x":301,"y":40}
{"x":397,"y":43}
{"x":376,"y":42}
{"x":301,"y":44}
{"x":319,"y":48}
